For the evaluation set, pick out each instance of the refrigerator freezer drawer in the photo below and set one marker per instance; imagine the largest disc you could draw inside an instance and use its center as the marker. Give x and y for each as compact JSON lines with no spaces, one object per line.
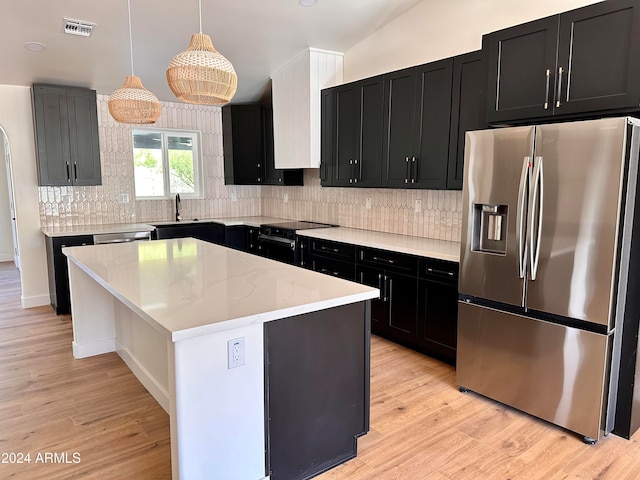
{"x":554,"y":372}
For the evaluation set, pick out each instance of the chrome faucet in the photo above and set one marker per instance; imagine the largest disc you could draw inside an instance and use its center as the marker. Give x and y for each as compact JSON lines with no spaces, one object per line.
{"x":178,"y":216}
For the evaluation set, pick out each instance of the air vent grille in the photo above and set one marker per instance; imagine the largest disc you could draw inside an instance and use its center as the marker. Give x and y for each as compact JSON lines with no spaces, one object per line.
{"x":78,"y":27}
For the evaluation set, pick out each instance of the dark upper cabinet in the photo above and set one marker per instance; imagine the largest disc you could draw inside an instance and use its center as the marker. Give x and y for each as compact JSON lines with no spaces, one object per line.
{"x":468,"y":111}
{"x":327,"y":127}
{"x":248,"y":148}
{"x":66,"y":134}
{"x":585,"y":60}
{"x":352,"y":134}
{"x":416,"y":126}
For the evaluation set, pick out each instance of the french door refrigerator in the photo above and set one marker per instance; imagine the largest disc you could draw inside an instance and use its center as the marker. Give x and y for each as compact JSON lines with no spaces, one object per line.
{"x":548,"y":220}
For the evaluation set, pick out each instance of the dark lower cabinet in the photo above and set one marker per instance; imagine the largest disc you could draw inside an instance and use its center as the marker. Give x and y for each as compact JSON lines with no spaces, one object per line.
{"x":393,"y":315}
{"x":235,"y":236}
{"x":58,"y":270}
{"x":438,"y":309}
{"x":317,"y":390}
{"x":207,"y":231}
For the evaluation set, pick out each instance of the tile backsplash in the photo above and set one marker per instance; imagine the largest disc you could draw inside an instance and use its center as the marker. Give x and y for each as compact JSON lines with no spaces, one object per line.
{"x":392,"y":210}
{"x":438,"y":215}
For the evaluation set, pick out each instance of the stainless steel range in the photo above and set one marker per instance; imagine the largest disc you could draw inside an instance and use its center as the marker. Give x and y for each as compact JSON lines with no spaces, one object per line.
{"x":278,"y":240}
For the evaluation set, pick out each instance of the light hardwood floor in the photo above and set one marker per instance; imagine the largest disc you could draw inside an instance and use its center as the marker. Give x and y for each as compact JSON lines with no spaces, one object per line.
{"x":422,"y":428}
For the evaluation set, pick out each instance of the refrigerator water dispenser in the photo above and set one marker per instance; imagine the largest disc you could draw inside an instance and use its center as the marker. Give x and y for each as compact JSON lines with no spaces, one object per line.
{"x":490,"y":228}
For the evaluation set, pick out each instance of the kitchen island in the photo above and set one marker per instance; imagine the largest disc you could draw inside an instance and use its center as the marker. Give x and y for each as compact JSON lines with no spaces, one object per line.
{"x":183,"y":313}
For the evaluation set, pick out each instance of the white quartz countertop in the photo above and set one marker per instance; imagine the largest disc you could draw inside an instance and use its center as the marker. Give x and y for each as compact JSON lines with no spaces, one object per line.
{"x":187,"y":287}
{"x":420,"y":246}
{"x":66,"y":231}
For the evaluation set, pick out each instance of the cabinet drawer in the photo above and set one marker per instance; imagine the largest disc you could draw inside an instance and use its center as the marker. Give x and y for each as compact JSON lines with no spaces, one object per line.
{"x":335,"y":268}
{"x":439,"y":270}
{"x":392,"y":261}
{"x":335,"y":250}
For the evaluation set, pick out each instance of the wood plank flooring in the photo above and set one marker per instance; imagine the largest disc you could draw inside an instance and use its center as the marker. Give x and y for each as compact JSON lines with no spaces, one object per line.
{"x":422,"y":428}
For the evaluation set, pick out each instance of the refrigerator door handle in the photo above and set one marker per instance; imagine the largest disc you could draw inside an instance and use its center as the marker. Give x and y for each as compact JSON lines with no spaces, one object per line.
{"x":525,"y":178}
{"x":537,"y":197}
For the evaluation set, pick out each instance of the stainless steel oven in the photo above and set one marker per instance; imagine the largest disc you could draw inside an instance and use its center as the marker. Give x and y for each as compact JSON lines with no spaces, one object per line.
{"x":278,"y":240}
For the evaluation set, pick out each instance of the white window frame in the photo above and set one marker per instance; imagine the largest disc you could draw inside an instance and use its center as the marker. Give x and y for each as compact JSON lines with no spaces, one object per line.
{"x":197,"y":161}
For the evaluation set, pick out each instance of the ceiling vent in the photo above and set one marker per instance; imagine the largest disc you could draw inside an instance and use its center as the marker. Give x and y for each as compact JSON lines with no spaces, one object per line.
{"x":78,"y":27}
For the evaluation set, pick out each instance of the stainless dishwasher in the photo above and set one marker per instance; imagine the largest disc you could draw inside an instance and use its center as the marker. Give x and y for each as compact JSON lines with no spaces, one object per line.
{"x":121,"y":237}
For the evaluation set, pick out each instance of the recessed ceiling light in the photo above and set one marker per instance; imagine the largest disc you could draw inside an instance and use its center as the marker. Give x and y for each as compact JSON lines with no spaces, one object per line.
{"x":35,"y":46}
{"x":307,"y":3}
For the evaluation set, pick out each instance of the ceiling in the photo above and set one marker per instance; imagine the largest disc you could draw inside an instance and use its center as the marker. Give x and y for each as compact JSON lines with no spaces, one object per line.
{"x":257,"y":36}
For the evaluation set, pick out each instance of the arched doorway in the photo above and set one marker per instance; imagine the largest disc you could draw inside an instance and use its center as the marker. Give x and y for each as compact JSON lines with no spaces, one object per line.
{"x":8,"y":231}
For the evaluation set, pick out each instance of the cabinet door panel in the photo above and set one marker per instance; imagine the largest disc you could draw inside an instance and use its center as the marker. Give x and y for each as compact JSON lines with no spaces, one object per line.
{"x":401,"y":295}
{"x":518,"y":60}
{"x":327,"y":136}
{"x":52,"y":135}
{"x":399,"y":128}
{"x":432,"y":140}
{"x":83,"y":137}
{"x":374,"y":278}
{"x":438,"y":318}
{"x":347,"y":129}
{"x":467,"y":110}
{"x":367,"y":171}
{"x":598,"y":50}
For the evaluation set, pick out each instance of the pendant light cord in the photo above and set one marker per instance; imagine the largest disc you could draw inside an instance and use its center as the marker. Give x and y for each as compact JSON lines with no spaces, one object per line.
{"x":130,"y":37}
{"x":200,"y":11}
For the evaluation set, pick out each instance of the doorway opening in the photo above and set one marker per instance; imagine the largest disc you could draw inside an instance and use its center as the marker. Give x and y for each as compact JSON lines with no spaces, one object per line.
{"x":8,"y":220}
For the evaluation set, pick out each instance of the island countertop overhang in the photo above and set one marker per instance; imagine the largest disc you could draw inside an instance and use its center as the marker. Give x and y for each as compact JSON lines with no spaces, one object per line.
{"x":186,"y":287}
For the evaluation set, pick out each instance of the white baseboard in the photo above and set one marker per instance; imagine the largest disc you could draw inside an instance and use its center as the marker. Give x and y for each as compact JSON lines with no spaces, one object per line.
{"x":35,"y":301}
{"x":6,"y":257}
{"x":142,"y":374}
{"x":93,"y":348}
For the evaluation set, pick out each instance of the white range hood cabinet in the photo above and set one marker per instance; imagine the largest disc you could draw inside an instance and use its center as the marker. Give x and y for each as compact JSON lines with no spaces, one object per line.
{"x":296,"y":106}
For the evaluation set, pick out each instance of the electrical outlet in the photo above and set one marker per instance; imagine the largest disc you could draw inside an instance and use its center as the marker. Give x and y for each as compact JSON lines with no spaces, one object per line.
{"x":123,"y":198}
{"x":234,"y":197}
{"x":418,"y":207}
{"x":286,"y":197}
{"x":235,"y":350}
{"x":367,"y":202}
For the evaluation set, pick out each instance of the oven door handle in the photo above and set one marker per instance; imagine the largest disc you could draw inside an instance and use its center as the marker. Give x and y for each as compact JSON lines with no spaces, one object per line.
{"x":276,"y":240}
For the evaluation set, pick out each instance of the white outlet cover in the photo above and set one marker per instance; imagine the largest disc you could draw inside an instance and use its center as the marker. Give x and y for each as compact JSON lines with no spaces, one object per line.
{"x":234,"y":197}
{"x":368,"y":202}
{"x":286,"y":197}
{"x":235,"y":349}
{"x":418,"y":207}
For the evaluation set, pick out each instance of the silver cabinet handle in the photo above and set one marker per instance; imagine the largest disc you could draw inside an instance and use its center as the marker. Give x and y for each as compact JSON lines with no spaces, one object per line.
{"x":378,"y":259}
{"x":559,"y":95}
{"x":441,"y":272}
{"x":351,"y":171}
{"x":355,"y":176}
{"x":406,"y":170}
{"x":75,"y":171}
{"x":68,"y":173}
{"x":546,"y":91}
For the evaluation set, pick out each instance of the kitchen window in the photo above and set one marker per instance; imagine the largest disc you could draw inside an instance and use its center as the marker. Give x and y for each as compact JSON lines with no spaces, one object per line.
{"x":167,"y":162}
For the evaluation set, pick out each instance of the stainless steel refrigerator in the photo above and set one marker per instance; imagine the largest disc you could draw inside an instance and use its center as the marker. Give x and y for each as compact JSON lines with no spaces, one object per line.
{"x":545,"y":276}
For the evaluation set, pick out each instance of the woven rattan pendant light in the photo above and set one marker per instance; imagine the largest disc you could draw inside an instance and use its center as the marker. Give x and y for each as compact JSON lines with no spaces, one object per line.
{"x":201,"y":74}
{"x":132,"y":103}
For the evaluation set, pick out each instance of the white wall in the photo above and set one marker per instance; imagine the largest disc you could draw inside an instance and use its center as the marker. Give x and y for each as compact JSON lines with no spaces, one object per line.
{"x":16,"y":119}
{"x":436,"y":29}
{"x":6,"y":238}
